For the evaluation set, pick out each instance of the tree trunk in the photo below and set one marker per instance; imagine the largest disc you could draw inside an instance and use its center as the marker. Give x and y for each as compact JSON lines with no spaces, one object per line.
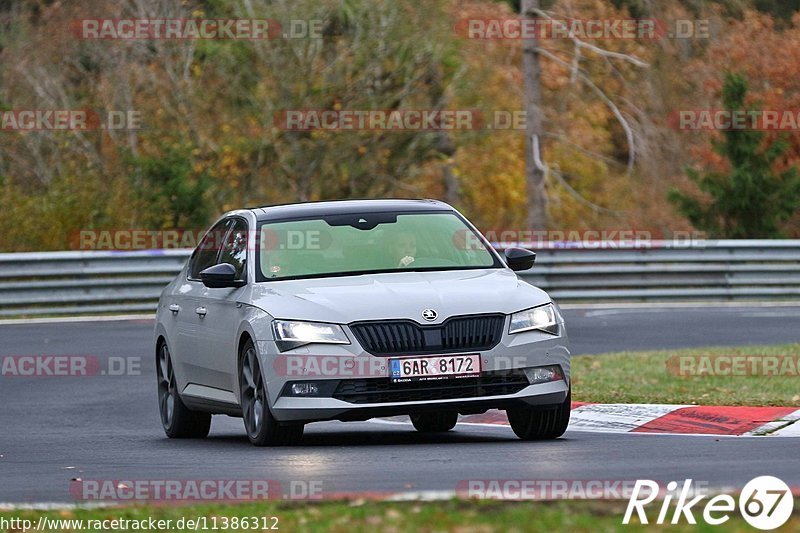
{"x":534,"y":176}
{"x":452,"y":188}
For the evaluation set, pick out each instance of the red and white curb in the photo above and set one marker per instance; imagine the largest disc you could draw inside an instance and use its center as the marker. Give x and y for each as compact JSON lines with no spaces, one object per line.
{"x":686,"y":419}
{"x":666,"y":419}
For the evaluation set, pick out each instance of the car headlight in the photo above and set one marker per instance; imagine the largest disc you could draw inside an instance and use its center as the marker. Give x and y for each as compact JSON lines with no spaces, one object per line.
{"x":293,"y":333}
{"x":542,"y":318}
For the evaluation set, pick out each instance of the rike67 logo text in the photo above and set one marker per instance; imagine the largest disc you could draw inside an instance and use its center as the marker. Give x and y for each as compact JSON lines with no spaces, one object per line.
{"x":765,"y":503}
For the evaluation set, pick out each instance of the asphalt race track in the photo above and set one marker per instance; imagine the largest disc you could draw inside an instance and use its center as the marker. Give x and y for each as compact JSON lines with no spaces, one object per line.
{"x":106,"y":427}
{"x":603,"y":330}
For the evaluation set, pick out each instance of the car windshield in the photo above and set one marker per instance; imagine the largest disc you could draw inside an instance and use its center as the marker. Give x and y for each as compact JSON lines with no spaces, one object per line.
{"x":369,"y":243}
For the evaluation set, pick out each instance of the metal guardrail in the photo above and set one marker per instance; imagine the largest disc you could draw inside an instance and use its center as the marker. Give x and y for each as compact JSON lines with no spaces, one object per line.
{"x":723,"y":270}
{"x":55,"y":283}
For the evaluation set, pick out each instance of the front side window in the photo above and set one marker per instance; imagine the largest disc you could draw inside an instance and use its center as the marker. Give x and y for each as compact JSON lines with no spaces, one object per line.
{"x":234,"y":249}
{"x":206,"y":253}
{"x":369,"y":243}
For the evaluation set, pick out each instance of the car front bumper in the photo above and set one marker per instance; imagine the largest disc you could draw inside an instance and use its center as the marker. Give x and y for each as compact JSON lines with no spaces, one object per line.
{"x":288,"y":409}
{"x":330,"y":366}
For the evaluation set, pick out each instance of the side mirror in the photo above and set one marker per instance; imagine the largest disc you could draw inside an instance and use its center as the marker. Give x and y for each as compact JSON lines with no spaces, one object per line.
{"x":519,"y":259}
{"x":220,"y":276}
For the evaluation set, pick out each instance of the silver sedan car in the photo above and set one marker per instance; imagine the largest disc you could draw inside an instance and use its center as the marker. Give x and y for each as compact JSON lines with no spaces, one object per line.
{"x":349,"y":310}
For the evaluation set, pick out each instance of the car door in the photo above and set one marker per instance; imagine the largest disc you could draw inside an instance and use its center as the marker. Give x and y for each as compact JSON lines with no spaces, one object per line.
{"x":223,"y":314}
{"x":189,"y":354}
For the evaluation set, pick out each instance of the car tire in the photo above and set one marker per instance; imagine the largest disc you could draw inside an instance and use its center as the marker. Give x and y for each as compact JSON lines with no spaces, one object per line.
{"x":438,"y":422}
{"x":178,"y":421}
{"x":541,"y":424}
{"x":261,"y":427}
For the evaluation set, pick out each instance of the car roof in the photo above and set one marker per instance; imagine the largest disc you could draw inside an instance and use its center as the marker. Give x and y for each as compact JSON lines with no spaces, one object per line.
{"x":345,"y":207}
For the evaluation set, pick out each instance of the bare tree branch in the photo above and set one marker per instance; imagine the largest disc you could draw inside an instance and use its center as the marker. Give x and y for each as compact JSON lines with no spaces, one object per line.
{"x":610,"y":103}
{"x":579,"y":43}
{"x":571,"y":190}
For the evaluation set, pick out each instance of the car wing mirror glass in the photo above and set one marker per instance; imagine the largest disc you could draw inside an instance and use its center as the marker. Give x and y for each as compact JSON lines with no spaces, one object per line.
{"x":519,"y":259}
{"x":220,"y":276}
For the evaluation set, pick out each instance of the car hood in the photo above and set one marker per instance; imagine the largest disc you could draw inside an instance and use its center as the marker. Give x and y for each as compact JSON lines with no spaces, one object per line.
{"x":397,"y":295}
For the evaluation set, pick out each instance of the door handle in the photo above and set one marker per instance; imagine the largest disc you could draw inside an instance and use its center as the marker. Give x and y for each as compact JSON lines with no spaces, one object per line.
{"x":174,"y":308}
{"x":201,"y":311}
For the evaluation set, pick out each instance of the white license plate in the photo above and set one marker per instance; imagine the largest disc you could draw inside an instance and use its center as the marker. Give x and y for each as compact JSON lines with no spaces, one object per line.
{"x":434,"y":367}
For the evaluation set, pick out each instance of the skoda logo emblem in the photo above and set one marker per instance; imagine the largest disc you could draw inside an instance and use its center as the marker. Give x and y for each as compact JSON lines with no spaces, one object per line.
{"x":429,"y":314}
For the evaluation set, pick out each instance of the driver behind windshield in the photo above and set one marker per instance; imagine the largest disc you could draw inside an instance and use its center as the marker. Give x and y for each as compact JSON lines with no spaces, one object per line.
{"x":403,"y":248}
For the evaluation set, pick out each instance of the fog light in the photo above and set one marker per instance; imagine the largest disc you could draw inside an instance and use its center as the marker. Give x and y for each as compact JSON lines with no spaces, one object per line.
{"x":305,"y":389}
{"x":543,"y":374}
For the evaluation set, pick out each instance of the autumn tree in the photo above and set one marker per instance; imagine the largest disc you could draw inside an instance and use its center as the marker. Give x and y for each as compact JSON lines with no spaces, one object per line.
{"x":574,"y":56}
{"x":750,"y":200}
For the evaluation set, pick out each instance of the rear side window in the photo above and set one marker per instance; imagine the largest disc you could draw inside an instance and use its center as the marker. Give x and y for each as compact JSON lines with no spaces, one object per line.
{"x":234,"y":250}
{"x":206,"y":253}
